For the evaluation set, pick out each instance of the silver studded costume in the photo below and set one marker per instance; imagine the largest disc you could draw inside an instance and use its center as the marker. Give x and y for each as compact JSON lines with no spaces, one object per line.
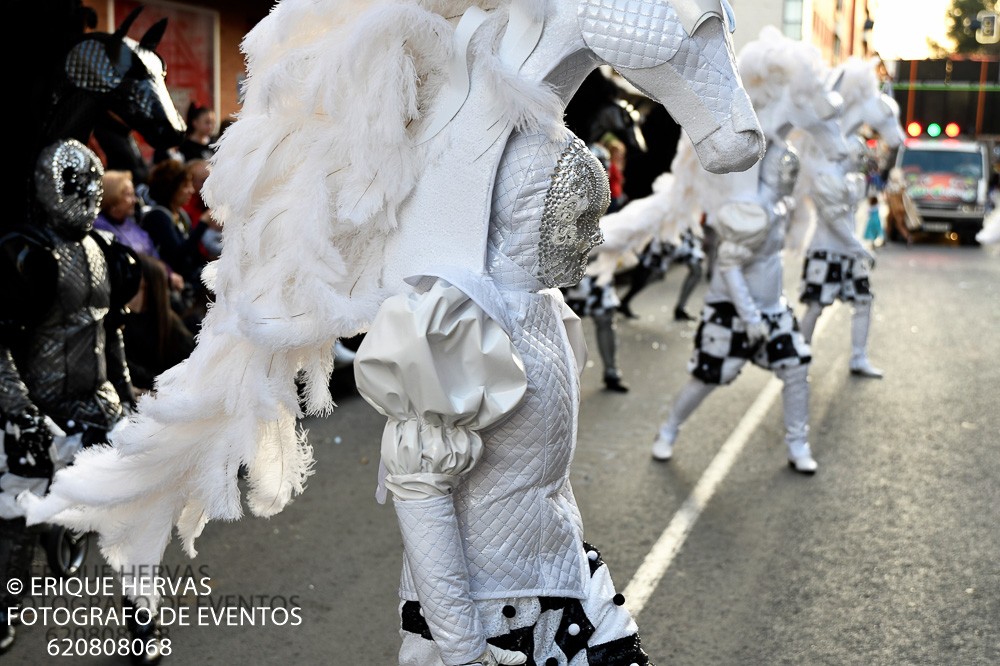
{"x":746,"y":317}
{"x":837,"y":264}
{"x":62,"y":366}
{"x":478,"y":376}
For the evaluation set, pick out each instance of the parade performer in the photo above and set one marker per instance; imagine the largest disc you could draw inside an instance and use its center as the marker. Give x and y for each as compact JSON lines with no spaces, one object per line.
{"x":746,"y":316}
{"x":64,"y":381}
{"x":837,"y":263}
{"x":654,"y":262}
{"x":596,"y":297}
{"x":438,"y":221}
{"x":990,"y":233}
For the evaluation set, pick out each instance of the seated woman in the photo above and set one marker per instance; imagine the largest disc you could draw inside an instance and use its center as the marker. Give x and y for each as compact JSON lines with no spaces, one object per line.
{"x":171,"y":185}
{"x":155,"y":336}
{"x":118,"y":217}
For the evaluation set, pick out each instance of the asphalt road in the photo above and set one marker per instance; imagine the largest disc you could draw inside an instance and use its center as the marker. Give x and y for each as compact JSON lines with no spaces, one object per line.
{"x":887,"y":556}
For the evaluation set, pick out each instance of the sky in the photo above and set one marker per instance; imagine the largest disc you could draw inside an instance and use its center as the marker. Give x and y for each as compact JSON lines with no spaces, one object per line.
{"x":903,"y":26}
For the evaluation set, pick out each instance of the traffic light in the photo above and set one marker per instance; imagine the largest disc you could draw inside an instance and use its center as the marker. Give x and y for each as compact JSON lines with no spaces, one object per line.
{"x":914,"y":129}
{"x":952,"y":130}
{"x":933,"y":130}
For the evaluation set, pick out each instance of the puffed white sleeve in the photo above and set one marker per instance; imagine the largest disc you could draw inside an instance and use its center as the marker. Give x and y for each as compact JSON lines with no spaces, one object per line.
{"x":440,"y":370}
{"x":741,"y":227}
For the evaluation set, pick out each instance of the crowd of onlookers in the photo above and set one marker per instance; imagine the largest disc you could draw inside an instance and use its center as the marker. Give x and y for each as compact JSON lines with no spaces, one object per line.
{"x":156,"y":208}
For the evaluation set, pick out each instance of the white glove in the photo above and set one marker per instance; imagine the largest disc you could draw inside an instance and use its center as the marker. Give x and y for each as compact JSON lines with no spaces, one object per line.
{"x":495,"y":656}
{"x":758,"y":332}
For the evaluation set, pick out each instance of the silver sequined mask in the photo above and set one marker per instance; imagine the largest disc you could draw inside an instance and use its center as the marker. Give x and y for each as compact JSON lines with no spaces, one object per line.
{"x":858,"y":154}
{"x":69,"y":187}
{"x":788,"y":172}
{"x":577,"y":198}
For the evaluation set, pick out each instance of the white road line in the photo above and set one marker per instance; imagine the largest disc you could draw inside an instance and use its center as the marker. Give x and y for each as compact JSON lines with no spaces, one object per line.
{"x":659,"y":558}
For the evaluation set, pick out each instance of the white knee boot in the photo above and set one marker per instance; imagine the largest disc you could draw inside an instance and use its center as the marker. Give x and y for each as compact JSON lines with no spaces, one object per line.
{"x":687,"y":401}
{"x":860,"y":323}
{"x":795,"y":402}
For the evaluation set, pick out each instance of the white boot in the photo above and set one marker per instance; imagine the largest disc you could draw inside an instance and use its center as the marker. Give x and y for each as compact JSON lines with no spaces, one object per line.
{"x":861,"y":366}
{"x":690,"y":396}
{"x":663,"y":446}
{"x":795,"y":404}
{"x":800,"y":458}
{"x":860,"y":323}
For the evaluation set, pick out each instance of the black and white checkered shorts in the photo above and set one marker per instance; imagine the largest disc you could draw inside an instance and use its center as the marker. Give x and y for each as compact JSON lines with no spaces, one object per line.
{"x":827,"y":276}
{"x":658,"y":256}
{"x":722,"y":348}
{"x":589,"y":299}
{"x":689,"y":250}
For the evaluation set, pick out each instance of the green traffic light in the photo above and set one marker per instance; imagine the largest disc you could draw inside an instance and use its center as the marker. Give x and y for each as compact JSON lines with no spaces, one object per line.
{"x":934,"y":130}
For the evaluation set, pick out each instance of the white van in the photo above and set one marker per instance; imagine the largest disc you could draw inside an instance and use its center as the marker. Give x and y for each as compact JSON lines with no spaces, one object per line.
{"x":948,"y":180}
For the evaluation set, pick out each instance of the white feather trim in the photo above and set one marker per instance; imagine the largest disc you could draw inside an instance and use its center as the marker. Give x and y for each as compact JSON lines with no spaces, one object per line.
{"x":306,"y":183}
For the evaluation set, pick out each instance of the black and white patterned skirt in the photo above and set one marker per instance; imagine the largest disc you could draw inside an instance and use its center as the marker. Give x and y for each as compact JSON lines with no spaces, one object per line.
{"x":552,"y":631}
{"x":827,"y":276}
{"x":589,"y":299}
{"x":722,"y":348}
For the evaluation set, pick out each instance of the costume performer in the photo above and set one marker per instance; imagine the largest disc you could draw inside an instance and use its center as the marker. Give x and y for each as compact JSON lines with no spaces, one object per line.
{"x":837,"y":263}
{"x":746,"y":316}
{"x":63,"y":375}
{"x":446,"y":265}
{"x":595,"y":297}
{"x":655,"y":261}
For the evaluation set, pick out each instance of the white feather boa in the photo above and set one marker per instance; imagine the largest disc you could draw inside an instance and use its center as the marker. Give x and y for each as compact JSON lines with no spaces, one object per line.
{"x":306,"y":183}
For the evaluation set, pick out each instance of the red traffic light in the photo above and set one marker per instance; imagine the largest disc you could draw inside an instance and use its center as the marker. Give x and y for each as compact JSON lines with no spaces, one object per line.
{"x":952,"y":130}
{"x":914,"y":129}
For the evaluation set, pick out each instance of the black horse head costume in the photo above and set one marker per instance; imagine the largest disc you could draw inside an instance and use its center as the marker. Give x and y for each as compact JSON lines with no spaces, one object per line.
{"x":79,"y":76}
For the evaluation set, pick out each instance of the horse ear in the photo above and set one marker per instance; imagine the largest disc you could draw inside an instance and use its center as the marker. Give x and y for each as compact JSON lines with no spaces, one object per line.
{"x":835,"y":79}
{"x":153,"y":36}
{"x":123,"y":29}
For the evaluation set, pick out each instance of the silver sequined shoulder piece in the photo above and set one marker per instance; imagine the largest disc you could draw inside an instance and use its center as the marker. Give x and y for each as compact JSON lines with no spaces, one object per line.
{"x":576,"y":199}
{"x":631,"y":34}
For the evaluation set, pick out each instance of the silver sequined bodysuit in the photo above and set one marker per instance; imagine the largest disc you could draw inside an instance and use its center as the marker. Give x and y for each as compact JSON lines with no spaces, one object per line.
{"x":63,"y":364}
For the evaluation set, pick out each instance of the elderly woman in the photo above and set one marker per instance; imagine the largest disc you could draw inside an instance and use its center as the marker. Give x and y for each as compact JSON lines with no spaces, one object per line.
{"x":118,"y":217}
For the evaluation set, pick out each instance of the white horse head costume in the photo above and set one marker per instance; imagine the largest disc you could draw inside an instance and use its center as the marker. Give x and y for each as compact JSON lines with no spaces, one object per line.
{"x":366,"y":152}
{"x":865,"y":106}
{"x":791,"y":91}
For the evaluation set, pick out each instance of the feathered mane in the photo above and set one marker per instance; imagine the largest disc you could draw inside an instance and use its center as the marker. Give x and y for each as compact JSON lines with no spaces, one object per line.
{"x":306,"y":184}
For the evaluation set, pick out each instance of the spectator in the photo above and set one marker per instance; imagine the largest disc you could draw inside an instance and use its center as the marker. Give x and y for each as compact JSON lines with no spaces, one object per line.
{"x":198,"y":143}
{"x":118,"y":209}
{"x":616,"y":171}
{"x":873,"y":229}
{"x":156,"y":338}
{"x":171,"y":186}
{"x":199,"y":139}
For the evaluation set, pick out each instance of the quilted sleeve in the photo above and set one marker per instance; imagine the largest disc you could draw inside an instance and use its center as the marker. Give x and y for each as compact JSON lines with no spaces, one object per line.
{"x":440,"y":370}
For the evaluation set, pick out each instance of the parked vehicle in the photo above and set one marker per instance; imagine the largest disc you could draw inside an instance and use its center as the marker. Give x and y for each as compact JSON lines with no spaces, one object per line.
{"x":948,"y":180}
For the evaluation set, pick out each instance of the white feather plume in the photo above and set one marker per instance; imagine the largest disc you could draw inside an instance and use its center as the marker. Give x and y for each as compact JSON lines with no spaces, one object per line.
{"x":306,"y":183}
